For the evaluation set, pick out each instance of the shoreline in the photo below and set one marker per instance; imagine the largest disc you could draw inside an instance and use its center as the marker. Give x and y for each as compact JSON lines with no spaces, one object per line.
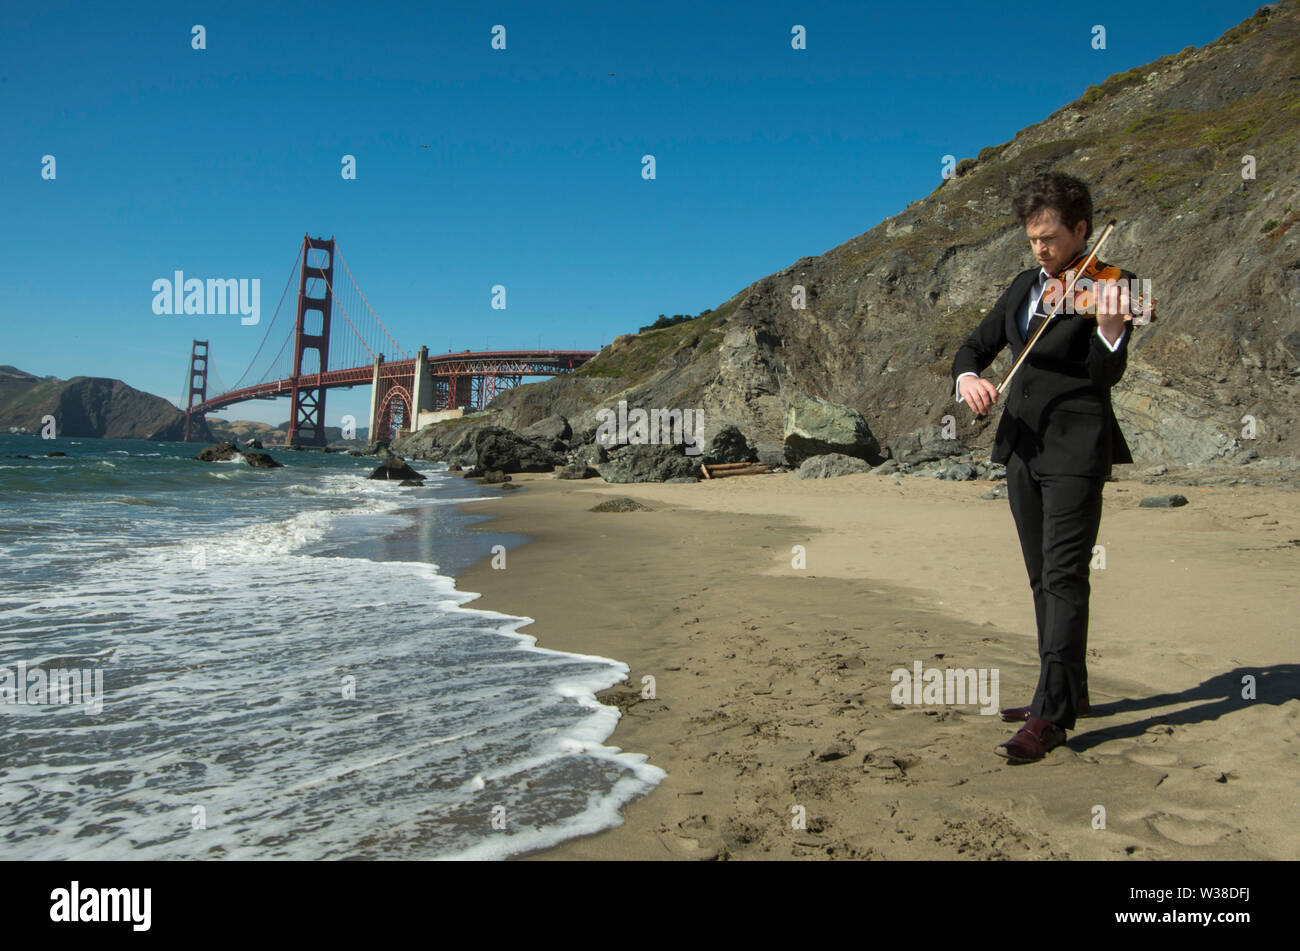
{"x":773,"y":684}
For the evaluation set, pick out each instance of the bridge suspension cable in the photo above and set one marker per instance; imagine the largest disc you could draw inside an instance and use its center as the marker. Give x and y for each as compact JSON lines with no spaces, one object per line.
{"x":212,"y":368}
{"x":367,"y":303}
{"x":348,"y":355}
{"x":266,"y":336}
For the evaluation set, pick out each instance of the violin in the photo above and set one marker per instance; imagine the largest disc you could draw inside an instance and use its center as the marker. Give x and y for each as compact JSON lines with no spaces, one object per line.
{"x":1083,"y":278}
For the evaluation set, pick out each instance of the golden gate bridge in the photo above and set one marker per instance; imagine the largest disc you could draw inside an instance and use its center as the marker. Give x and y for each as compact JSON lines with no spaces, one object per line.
{"x":317,"y":354}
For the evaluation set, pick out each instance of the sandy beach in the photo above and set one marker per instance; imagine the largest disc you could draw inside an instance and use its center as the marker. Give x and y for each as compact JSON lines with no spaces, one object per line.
{"x":773,"y":683}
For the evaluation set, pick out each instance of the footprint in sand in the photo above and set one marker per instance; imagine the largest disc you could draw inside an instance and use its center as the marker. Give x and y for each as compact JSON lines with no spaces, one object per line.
{"x":1201,"y":661}
{"x":1152,"y":756}
{"x":1188,"y":830}
{"x":694,"y":838}
{"x":889,"y":762}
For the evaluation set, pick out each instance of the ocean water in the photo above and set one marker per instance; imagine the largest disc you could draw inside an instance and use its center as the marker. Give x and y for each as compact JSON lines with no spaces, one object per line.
{"x":273,"y":684}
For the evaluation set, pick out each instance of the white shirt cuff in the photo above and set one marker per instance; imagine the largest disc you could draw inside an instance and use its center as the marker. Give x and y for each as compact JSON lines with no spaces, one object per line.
{"x":1111,"y":346}
{"x":957,"y":384}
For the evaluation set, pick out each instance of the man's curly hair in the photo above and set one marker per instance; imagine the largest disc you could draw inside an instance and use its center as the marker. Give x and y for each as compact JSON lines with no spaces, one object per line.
{"x":1067,"y":195}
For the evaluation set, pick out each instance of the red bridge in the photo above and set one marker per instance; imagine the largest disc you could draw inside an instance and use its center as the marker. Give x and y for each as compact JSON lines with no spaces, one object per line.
{"x":406,"y":393}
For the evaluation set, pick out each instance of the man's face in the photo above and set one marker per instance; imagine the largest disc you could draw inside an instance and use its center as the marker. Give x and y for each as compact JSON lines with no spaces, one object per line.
{"x":1053,"y":244}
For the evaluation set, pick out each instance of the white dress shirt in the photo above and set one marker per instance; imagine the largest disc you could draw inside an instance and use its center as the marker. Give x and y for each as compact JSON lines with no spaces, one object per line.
{"x":1023,"y":318}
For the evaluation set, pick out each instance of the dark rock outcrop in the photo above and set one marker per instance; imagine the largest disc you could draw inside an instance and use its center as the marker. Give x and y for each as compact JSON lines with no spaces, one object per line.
{"x":649,"y":463}
{"x":449,"y":440}
{"x":729,"y":445}
{"x":498,"y":448}
{"x":592,"y":454}
{"x":219,"y":453}
{"x":394,"y":469}
{"x":262,"y":460}
{"x":927,"y":444}
{"x":553,"y":432}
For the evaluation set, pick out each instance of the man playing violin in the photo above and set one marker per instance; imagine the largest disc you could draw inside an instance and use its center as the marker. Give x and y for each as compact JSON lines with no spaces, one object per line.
{"x":1058,"y":438}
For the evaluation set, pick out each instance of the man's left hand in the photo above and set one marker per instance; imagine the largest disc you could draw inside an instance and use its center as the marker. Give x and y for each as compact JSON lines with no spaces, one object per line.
{"x":1112,"y":308}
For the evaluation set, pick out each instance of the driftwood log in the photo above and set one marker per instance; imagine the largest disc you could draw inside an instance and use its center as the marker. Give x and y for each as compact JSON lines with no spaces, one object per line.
{"x":721,"y":470}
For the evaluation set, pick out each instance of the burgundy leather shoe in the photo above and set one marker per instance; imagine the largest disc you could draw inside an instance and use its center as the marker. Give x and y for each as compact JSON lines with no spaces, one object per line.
{"x":1021,"y":714}
{"x":1032,"y":742}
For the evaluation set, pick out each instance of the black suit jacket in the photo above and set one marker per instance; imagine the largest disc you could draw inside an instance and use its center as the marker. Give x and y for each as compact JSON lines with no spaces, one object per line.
{"x":1057,"y":413}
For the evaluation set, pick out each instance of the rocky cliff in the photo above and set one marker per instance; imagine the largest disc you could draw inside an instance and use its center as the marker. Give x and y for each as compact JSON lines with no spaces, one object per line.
{"x":1196,"y":157}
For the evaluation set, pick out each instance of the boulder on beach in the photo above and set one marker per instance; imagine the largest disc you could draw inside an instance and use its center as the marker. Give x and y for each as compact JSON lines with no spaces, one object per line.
{"x":817,"y":427}
{"x":621,"y":504}
{"x":650,"y":463}
{"x":831,"y":465}
{"x":927,"y":444}
{"x":1163,"y":501}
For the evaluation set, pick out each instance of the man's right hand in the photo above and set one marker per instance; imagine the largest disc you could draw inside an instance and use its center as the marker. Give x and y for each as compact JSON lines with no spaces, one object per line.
{"x":978,"y":393}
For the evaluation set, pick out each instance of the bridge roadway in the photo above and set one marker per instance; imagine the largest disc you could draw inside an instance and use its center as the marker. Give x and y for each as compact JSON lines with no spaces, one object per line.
{"x":464,"y":364}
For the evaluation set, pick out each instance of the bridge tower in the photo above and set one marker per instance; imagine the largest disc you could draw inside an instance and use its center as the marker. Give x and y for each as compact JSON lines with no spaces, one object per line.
{"x":198,"y":371}
{"x":307,"y":419}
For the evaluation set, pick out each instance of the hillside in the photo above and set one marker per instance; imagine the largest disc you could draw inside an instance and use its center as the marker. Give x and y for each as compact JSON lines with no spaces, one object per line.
{"x":87,"y":406}
{"x":1162,"y":148}
{"x":242,"y":430}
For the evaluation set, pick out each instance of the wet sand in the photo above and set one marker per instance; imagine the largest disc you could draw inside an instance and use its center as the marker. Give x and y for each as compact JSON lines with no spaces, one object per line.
{"x":772,"y":709}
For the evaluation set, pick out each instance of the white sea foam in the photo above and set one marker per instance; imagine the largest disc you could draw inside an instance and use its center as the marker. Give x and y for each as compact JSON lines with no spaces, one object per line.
{"x":227,"y":692}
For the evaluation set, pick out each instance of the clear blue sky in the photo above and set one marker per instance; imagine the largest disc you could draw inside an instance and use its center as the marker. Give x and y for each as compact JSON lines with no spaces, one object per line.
{"x":215,"y":162}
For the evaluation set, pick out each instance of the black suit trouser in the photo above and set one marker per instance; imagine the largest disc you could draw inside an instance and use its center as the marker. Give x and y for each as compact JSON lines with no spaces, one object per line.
{"x":1057,"y":518}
